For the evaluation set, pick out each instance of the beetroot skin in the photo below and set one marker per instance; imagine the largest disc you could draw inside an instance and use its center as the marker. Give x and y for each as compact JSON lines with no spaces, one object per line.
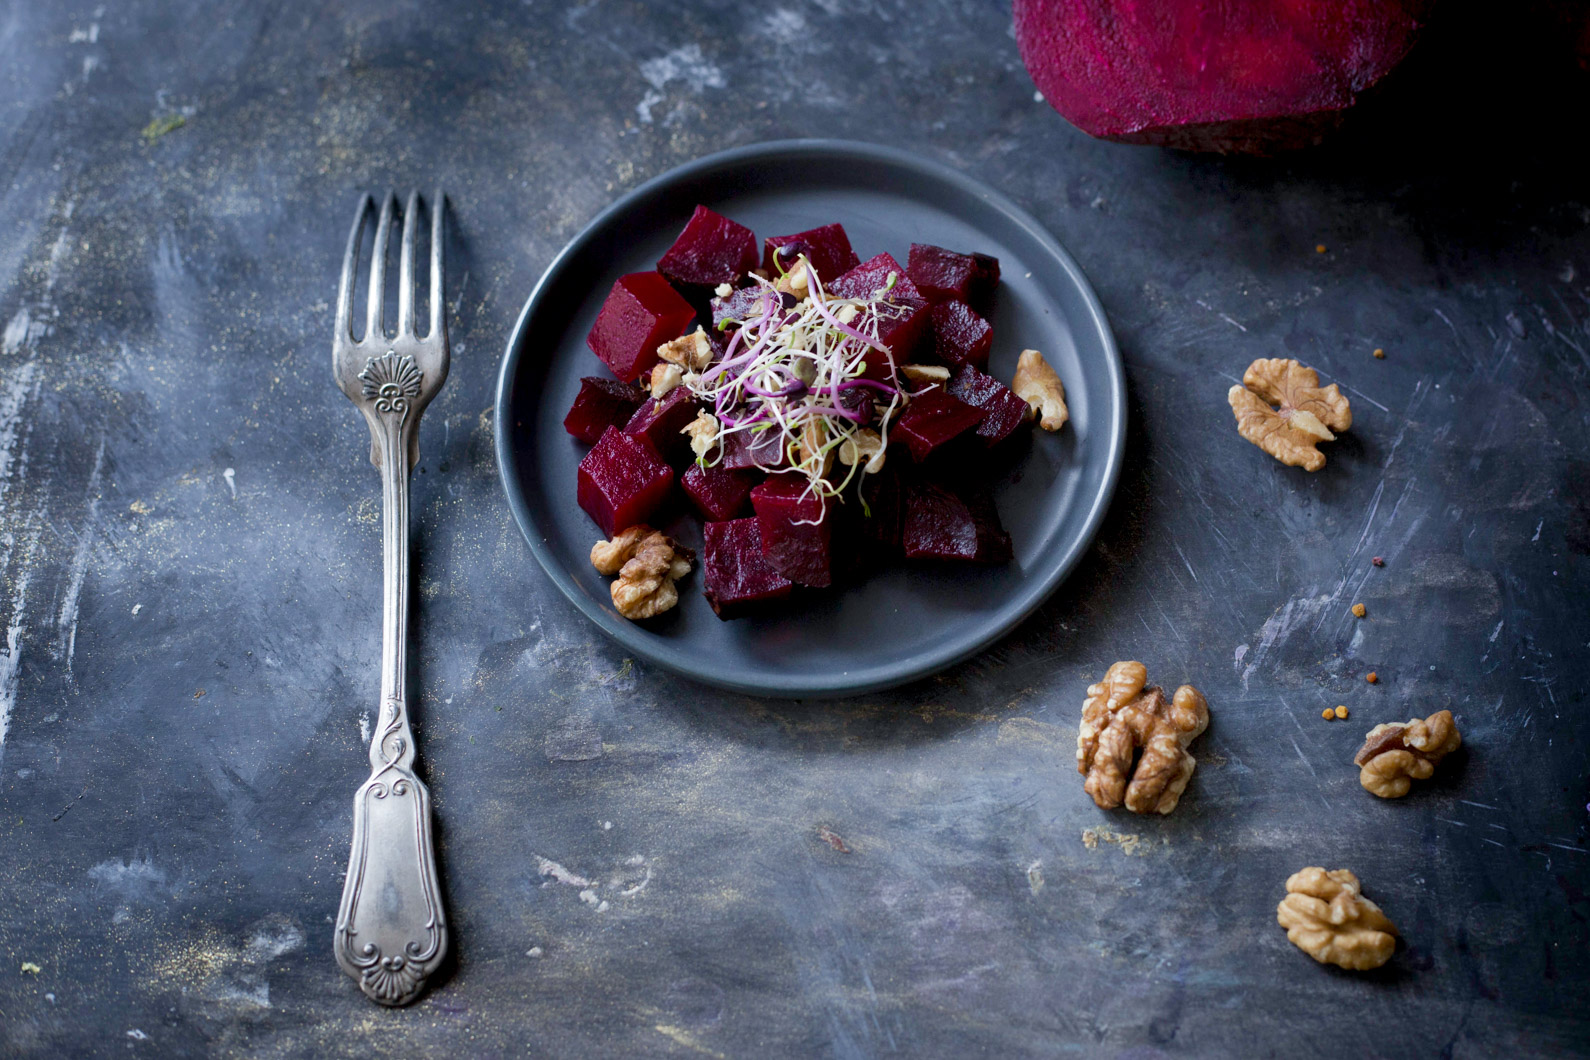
{"x":717,"y":492}
{"x":622,"y":481}
{"x":600,"y":404}
{"x":711,"y":250}
{"x":1254,"y":77}
{"x":641,"y":313}
{"x":797,"y":535}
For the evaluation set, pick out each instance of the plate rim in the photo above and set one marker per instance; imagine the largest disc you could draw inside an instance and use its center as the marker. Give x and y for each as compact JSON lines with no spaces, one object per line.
{"x":839,"y":683}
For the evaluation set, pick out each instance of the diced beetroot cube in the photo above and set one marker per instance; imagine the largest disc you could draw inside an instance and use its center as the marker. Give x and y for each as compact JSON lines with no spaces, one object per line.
{"x":661,"y":422}
{"x":957,"y":525}
{"x":960,"y":336}
{"x":711,"y":250}
{"x":1003,"y":411}
{"x":747,"y":449}
{"x":797,"y":532}
{"x":641,"y":313}
{"x":718,"y":492}
{"x":880,"y":522}
{"x":622,"y":481}
{"x":600,"y":404}
{"x":827,"y":248}
{"x":931,"y":419}
{"x":735,"y":574}
{"x":901,"y":325}
{"x":943,"y":275}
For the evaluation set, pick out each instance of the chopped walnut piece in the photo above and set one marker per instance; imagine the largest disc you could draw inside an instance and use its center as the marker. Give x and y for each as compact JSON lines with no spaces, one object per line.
{"x":1327,"y":917}
{"x":866,"y":444}
{"x":703,"y":431}
{"x":925,"y":373}
{"x":1397,"y":754}
{"x":1039,"y":386}
{"x":723,"y":290}
{"x":1282,"y":409}
{"x":795,"y":281}
{"x":664,"y":377}
{"x":647,"y":563}
{"x":692,"y":351}
{"x":1120,"y":715}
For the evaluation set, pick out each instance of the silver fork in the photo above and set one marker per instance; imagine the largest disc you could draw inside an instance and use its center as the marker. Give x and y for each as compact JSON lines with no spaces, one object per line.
{"x":391,"y":930}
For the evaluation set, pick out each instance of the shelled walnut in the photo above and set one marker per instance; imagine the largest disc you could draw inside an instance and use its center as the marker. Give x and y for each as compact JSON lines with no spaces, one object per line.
{"x":1038,"y":384}
{"x":647,"y":563}
{"x":1120,"y":716}
{"x":1397,"y":754}
{"x":1327,"y":917}
{"x":1282,"y":409}
{"x":690,"y":352}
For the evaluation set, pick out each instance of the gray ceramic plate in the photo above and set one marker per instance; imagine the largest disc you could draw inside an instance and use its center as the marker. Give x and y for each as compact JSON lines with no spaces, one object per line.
{"x":902,"y":622}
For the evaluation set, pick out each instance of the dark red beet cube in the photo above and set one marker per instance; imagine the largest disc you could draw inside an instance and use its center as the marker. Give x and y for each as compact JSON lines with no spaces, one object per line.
{"x":735,"y":574}
{"x":641,"y":313}
{"x":962,"y":524}
{"x":661,"y":421}
{"x":1003,"y":411}
{"x":883,"y":496}
{"x":932,"y":419}
{"x":827,"y":248}
{"x":902,"y":323}
{"x":711,"y":250}
{"x":960,"y":336}
{"x":943,"y":275}
{"x":797,"y":533}
{"x":600,"y":404}
{"x":718,"y":492}
{"x":747,"y":449}
{"x":622,"y":481}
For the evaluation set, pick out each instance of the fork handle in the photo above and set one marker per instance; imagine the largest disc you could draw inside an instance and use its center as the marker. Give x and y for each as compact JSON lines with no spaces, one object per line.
{"x":391,"y":931}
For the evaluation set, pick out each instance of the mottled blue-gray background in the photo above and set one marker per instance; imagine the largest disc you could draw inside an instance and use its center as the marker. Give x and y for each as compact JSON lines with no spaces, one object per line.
{"x":189,"y":567}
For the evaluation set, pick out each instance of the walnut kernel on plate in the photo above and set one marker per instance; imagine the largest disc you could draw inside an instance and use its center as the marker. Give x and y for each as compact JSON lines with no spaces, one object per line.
{"x":1282,"y":409}
{"x":1395,"y":755}
{"x":1327,"y":917}
{"x":1120,"y":716}
{"x":647,"y":563}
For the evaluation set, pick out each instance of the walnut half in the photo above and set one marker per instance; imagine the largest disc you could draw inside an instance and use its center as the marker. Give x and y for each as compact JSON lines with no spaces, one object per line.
{"x":1327,"y":917}
{"x":1120,"y":715}
{"x":647,"y":563}
{"x":1282,"y":409}
{"x":1038,"y":384}
{"x":1395,"y":755}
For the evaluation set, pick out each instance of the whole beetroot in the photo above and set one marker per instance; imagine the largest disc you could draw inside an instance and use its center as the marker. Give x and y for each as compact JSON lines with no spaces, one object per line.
{"x":1243,"y":76}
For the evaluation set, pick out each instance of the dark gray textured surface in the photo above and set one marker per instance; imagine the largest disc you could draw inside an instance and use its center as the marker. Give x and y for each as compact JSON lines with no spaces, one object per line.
{"x":189,"y":571}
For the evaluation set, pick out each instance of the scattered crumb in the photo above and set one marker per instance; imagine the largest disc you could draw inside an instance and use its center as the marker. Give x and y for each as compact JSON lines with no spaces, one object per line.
{"x":200,"y":694}
{"x":1319,"y":248}
{"x":140,"y":507}
{"x":137,"y":608}
{"x":166,"y":123}
{"x":1359,"y":610}
{"x":1372,"y":677}
{"x":1327,"y":714}
{"x":1131,"y":844}
{"x":1379,"y":561}
{"x":533,"y":951}
{"x":1341,"y":712}
{"x":833,"y":839}
{"x":1380,"y":354}
{"x":29,"y":968}
{"x":1035,"y":877}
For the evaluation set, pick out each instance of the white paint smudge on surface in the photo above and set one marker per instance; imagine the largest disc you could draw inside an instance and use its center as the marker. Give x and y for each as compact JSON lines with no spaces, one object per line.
{"x":684,"y":64}
{"x":1278,"y":628}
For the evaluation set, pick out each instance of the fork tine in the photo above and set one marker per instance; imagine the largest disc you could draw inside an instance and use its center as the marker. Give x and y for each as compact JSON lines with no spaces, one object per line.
{"x":372,"y":320}
{"x":411,"y":212}
{"x":343,"y":323}
{"x":438,"y":316}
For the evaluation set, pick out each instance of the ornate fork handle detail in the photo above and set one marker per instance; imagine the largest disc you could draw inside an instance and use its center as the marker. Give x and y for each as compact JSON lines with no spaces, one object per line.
{"x":391,"y":932}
